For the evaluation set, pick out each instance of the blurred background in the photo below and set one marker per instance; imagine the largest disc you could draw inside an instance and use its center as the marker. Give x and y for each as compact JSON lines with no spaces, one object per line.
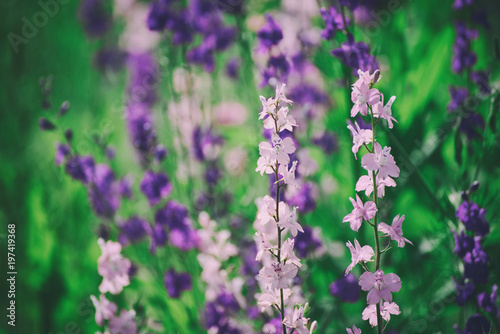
{"x":84,"y":51}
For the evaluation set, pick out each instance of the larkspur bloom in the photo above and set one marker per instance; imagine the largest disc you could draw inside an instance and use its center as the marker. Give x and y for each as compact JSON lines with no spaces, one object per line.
{"x":104,"y":309}
{"x":358,"y":254}
{"x":124,"y":324}
{"x":333,"y":21}
{"x":386,"y":309}
{"x":287,"y":253}
{"x":365,"y":183}
{"x":395,"y":232}
{"x":382,"y":161}
{"x":385,"y":112}
{"x":354,"y":330}
{"x":288,"y":219}
{"x":360,"y":211}
{"x":113,"y":267}
{"x":288,"y":175}
{"x":272,"y":297}
{"x":346,"y":288}
{"x":361,"y":96}
{"x":297,"y":320}
{"x":278,"y":275}
{"x":359,"y":137}
{"x":379,"y":285}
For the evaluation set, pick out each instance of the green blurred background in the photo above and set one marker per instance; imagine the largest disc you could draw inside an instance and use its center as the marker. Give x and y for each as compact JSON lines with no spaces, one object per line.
{"x":56,"y":247}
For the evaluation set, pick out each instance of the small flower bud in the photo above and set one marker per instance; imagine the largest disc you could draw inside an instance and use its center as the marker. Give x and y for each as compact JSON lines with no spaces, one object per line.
{"x":64,"y":108}
{"x":45,"y":124}
{"x":68,"y":134}
{"x":313,"y":327}
{"x":474,"y":186}
{"x":465,"y":195}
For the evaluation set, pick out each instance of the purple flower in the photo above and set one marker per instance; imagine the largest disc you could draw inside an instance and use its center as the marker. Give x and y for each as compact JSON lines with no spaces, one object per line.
{"x":306,"y":242}
{"x":160,"y":153}
{"x":465,"y":291}
{"x":110,"y":58}
{"x":463,"y":243}
{"x":96,"y":20}
{"x":328,"y":142}
{"x":155,"y":186}
{"x":202,"y":55}
{"x":176,"y":283}
{"x":212,"y":175}
{"x":379,"y":285}
{"x":181,"y":28}
{"x":460,"y":4}
{"x":477,"y":324}
{"x":206,"y":144}
{"x":488,"y":302}
{"x":472,"y":124}
{"x":103,"y":195}
{"x":143,"y":78}
{"x":227,"y":300}
{"x":333,"y":21}
{"x":159,"y":237}
{"x":62,"y":152}
{"x":80,"y":168}
{"x":232,"y":68}
{"x":476,"y":264}
{"x":270,"y":34}
{"x":159,"y":13}
{"x":133,"y":230}
{"x":346,"y":288}
{"x":356,"y":56}
{"x":278,"y":68}
{"x":46,"y":125}
{"x":125,"y":187}
{"x":458,"y":96}
{"x":304,"y":198}
{"x":141,"y":131}
{"x":463,"y":56}
{"x":274,"y":326}
{"x":473,"y":217}
{"x":351,"y":4}
{"x":481,"y":79}
{"x":175,"y":217}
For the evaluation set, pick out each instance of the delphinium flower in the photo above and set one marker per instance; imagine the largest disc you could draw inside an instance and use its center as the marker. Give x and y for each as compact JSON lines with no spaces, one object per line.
{"x":471,"y":287}
{"x":223,"y":295}
{"x":275,"y":218}
{"x":96,"y":20}
{"x":381,"y":168}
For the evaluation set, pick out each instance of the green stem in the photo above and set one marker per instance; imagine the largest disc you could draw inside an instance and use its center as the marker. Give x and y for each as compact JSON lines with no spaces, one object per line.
{"x":375,"y":224}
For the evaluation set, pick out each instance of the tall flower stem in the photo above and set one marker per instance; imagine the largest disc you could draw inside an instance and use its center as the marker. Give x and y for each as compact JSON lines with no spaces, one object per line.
{"x":375,"y":221}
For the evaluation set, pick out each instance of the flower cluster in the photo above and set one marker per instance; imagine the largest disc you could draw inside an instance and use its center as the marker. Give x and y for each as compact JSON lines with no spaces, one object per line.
{"x":381,"y":168}
{"x":475,"y":262}
{"x":275,"y":218}
{"x":114,"y":269}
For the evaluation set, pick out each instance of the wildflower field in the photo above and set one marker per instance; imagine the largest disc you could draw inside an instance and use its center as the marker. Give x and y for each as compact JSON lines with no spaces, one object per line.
{"x":250,"y":166}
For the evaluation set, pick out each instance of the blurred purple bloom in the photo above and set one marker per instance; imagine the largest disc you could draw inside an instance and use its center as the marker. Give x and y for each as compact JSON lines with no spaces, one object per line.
{"x":205,"y":142}
{"x":159,"y":12}
{"x":328,"y":142}
{"x":212,"y":175}
{"x":176,"y":283}
{"x":459,"y":4}
{"x":110,"y":59}
{"x":333,"y":21}
{"x":155,"y":186}
{"x":464,"y":291}
{"x":481,"y":79}
{"x":488,"y":302}
{"x":274,"y":326}
{"x":351,"y":4}
{"x":278,"y":68}
{"x":463,"y":56}
{"x":232,"y":68}
{"x":346,"y":288}
{"x":472,"y":124}
{"x":62,"y":152}
{"x":96,"y":20}
{"x":477,"y":324}
{"x":476,"y":264}
{"x":141,"y":130}
{"x":202,"y":55}
{"x":102,"y":191}
{"x":125,"y":187}
{"x":45,"y":124}
{"x":270,"y":34}
{"x":80,"y":168}
{"x":356,"y":56}
{"x":463,"y":243}
{"x":160,"y":153}
{"x":227,"y":300}
{"x":159,"y":237}
{"x":458,"y":96}
{"x":175,"y":217}
{"x":306,"y":242}
{"x":473,"y":218}
{"x":304,"y":198}
{"x":133,"y":230}
{"x":143,"y":80}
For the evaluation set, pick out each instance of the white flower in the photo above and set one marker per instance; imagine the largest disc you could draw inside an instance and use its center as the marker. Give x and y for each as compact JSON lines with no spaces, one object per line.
{"x":297,"y":321}
{"x":288,"y":176}
{"x":272,"y":297}
{"x":288,"y":219}
{"x":277,"y":275}
{"x":288,"y":254}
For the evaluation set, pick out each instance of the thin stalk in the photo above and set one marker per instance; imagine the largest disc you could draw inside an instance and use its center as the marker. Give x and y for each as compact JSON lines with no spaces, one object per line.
{"x":375,"y":224}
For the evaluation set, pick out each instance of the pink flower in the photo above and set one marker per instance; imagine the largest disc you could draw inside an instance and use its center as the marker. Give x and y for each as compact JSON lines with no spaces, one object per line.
{"x":288,"y":176}
{"x":285,"y":121}
{"x":124,"y":324}
{"x":265,"y":165}
{"x":365,"y":183}
{"x":395,"y":232}
{"x":113,"y":268}
{"x":264,"y":245}
{"x":280,"y":94}
{"x":279,"y":150}
{"x":381,"y":160}
{"x":267,"y":210}
{"x":361,"y":96}
{"x":268,"y":107}
{"x":365,"y":78}
{"x":379,"y":285}
{"x":359,"y":137}
{"x":297,"y":321}
{"x":381,"y":111}
{"x":277,"y":275}
{"x":354,"y":330}
{"x":288,"y":254}
{"x":104,"y":309}
{"x":288,"y":219}
{"x":358,"y":254}
{"x":272,"y":297}
{"x":370,"y":312}
{"x":361,"y":211}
